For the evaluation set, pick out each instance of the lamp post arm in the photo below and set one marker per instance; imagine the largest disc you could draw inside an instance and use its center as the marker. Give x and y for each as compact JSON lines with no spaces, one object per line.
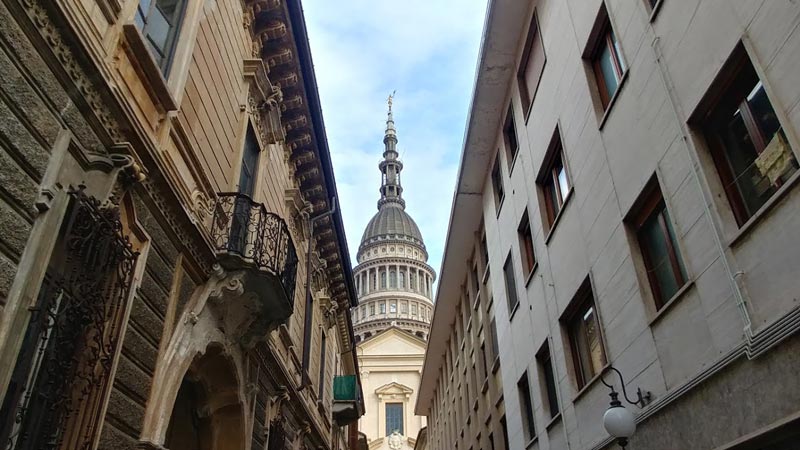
{"x":643,"y":398}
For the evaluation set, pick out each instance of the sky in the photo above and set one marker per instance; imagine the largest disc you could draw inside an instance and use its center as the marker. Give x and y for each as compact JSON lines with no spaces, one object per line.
{"x":426,"y":51}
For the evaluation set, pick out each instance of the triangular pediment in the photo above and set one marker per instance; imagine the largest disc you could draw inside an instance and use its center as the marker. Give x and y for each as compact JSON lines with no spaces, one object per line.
{"x":393,"y":341}
{"x":394,"y":388}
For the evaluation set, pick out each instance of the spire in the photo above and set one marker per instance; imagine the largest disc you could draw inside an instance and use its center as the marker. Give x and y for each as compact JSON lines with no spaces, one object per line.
{"x":390,"y":167}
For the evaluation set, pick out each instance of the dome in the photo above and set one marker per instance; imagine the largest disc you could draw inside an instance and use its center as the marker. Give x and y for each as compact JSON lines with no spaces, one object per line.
{"x":391,"y":219}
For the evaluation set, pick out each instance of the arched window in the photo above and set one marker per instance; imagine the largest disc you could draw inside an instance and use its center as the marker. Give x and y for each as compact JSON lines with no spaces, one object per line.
{"x":392,"y":279}
{"x":413,"y":281}
{"x":372,"y":286}
{"x":383,"y":280}
{"x":402,"y":280}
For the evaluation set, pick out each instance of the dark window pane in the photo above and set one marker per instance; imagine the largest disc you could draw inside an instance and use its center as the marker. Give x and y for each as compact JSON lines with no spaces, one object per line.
{"x":511,"y":285}
{"x":526,"y":407}
{"x":656,"y":245}
{"x":586,"y":343}
{"x":495,"y":343}
{"x":550,"y":385}
{"x":247,"y":175}
{"x":608,"y":69}
{"x":158,"y":29}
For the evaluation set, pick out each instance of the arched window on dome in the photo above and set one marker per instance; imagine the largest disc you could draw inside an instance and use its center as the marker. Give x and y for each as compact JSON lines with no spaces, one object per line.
{"x":372,"y":286}
{"x":392,"y":279}
{"x":383,"y":279}
{"x":413,"y":281}
{"x":401,"y":281}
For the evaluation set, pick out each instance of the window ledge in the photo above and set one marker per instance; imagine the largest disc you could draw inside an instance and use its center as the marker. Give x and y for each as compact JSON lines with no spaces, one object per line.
{"x":556,"y":419}
{"x":613,"y":100}
{"x":148,"y":68}
{"x":532,"y":442}
{"x":514,"y":310}
{"x":764,"y":211}
{"x":591,"y":383}
{"x":673,"y":300}
{"x":558,"y":216}
{"x":530,"y":274}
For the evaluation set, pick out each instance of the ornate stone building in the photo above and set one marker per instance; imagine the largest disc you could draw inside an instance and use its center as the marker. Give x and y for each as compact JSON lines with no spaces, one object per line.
{"x":174,"y":272}
{"x":392,"y":320}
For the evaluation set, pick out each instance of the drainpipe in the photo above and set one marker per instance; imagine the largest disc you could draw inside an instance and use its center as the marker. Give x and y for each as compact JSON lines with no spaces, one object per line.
{"x":305,"y":379}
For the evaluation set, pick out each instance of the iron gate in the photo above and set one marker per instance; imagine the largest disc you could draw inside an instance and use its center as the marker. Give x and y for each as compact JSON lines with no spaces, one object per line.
{"x":62,"y":370}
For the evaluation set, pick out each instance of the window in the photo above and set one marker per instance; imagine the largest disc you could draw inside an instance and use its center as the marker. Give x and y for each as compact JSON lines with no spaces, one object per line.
{"x":404,"y":307}
{"x":585,"y":338}
{"x":748,"y":145}
{"x":511,"y":285}
{"x":363,"y":312}
{"x":605,"y":55}
{"x":392,"y":279}
{"x":414,"y":309}
{"x":656,"y":237}
{"x":505,"y":433}
{"x":531,"y":65}
{"x":159,"y":21}
{"x":526,"y":407}
{"x":510,"y":138}
{"x":495,"y":343}
{"x":322,"y":350}
{"x":383,"y":279}
{"x":382,"y":307}
{"x":413,"y":280}
{"x":497,"y":184}
{"x":372,"y":309}
{"x":526,"y":245}
{"x":491,"y":440}
{"x":402,"y":279}
{"x":394,"y":418}
{"x":484,"y":253}
{"x":247,"y":174}
{"x":372,"y":282}
{"x":393,"y":306}
{"x":485,"y":363}
{"x":554,"y":181}
{"x":548,"y":377}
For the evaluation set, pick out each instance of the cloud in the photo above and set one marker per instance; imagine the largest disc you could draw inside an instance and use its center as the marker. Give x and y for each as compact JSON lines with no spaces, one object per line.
{"x":427,"y":51}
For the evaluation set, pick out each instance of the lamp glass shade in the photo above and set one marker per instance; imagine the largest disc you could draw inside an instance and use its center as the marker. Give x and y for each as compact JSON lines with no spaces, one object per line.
{"x":619,"y":422}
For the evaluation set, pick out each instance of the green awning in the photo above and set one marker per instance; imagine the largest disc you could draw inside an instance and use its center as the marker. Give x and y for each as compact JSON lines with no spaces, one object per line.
{"x":345,"y":388}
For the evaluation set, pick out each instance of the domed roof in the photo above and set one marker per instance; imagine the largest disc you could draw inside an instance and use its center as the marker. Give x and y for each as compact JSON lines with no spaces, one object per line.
{"x":391,"y":219}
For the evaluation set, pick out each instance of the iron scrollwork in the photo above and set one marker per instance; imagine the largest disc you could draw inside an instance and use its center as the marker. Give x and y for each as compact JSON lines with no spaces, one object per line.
{"x":245,"y":229}
{"x":63,"y":368}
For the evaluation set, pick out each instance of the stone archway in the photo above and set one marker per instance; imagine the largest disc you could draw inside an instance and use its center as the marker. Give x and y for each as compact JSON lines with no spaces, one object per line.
{"x":208,"y":413}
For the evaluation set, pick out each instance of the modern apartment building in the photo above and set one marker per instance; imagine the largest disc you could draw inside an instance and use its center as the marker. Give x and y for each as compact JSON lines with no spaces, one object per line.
{"x":174,"y":272}
{"x":625,"y":215}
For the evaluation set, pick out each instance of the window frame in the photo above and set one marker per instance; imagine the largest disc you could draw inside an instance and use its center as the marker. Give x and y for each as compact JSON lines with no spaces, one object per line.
{"x":497,"y":184}
{"x":401,"y":418}
{"x":599,"y":38}
{"x":526,"y":249}
{"x":650,"y":204}
{"x":526,"y":407}
{"x":510,"y":282}
{"x":527,"y":94}
{"x":547,"y":378}
{"x":549,"y":183}
{"x":583,"y":301}
{"x":510,"y":138}
{"x":165,"y":64}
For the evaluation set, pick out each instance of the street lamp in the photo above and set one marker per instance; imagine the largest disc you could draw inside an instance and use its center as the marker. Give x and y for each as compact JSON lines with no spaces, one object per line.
{"x":618,"y":421}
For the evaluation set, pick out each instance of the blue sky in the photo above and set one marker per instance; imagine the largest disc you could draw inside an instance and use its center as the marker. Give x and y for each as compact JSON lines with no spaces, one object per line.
{"x":427,"y":51}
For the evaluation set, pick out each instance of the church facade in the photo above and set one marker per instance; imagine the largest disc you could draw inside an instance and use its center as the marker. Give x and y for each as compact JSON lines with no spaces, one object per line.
{"x":392,"y":322}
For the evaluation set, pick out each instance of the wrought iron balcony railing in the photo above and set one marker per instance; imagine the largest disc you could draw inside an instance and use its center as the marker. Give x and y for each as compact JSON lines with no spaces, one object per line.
{"x":245,"y":235}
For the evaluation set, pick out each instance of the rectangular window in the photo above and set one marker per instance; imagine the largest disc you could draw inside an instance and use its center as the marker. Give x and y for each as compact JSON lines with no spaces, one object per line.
{"x":504,"y":426}
{"x":372,"y":309}
{"x":323,"y":348}
{"x":748,"y":145}
{"x":484,"y":361}
{"x":510,"y":137}
{"x":159,"y":22}
{"x":548,"y":377}
{"x":247,"y":175}
{"x":484,"y":253}
{"x":414,"y":309}
{"x":526,"y":407}
{"x":656,"y":238}
{"x":403,"y":307}
{"x":605,"y":56}
{"x":382,"y":307}
{"x":494,"y":342}
{"x":526,"y":244}
{"x":511,"y":285}
{"x":363,"y":312}
{"x":553,"y":180}
{"x":393,"y":307}
{"x":394,"y":418}
{"x":497,"y":184}
{"x":585,"y":337}
{"x":531,"y":65}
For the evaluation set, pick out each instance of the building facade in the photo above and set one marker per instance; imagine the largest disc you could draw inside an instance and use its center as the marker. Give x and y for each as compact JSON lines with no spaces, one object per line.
{"x":175,"y":273}
{"x":626,"y":201}
{"x":392,"y":321}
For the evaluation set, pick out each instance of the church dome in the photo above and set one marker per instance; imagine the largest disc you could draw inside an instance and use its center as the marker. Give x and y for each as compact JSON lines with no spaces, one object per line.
{"x":392,"y":221}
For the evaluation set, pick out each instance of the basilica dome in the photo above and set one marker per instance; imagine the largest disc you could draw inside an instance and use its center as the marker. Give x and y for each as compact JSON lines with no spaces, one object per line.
{"x":392,"y":222}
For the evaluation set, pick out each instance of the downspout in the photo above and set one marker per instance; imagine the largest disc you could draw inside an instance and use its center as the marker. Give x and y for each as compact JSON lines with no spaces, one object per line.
{"x":733,"y":278}
{"x":305,"y":379}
